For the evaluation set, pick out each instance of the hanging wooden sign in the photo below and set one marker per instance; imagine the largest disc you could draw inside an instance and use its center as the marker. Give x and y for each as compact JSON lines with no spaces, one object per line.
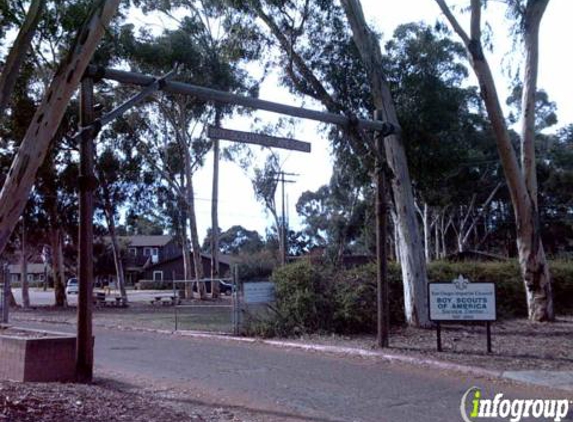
{"x":257,"y":139}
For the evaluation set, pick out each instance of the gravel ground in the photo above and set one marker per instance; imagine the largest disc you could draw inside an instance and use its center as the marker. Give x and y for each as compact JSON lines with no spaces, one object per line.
{"x":517,"y":344}
{"x":106,"y":400}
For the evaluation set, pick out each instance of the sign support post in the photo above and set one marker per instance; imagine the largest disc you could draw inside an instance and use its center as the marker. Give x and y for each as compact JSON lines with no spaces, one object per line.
{"x":488,"y":329}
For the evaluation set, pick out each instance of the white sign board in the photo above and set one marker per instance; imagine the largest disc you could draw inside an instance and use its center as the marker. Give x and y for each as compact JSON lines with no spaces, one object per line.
{"x":263,"y":292}
{"x":461,"y":300}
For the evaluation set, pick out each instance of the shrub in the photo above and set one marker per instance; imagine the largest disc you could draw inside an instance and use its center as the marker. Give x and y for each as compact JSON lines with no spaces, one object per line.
{"x":317,"y":299}
{"x":356,"y":300}
{"x":304,"y":302}
{"x":256,"y":266}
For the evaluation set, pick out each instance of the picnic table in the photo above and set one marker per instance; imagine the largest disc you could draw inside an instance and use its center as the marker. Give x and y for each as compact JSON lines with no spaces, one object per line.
{"x":166,"y":300}
{"x":100,"y":298}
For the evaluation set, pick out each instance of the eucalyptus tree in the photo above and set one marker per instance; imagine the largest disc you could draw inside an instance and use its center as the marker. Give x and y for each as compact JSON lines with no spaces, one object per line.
{"x":320,"y":60}
{"x":49,"y":114}
{"x":119,"y":172}
{"x":209,"y":48}
{"x":521,"y":177}
{"x":336,"y":216}
{"x":21,"y":46}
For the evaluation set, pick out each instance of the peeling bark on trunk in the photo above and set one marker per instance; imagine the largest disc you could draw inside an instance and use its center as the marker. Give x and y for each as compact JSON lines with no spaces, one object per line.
{"x":522,"y":181}
{"x":411,"y":249}
{"x":48,"y":117}
{"x":18,"y":52}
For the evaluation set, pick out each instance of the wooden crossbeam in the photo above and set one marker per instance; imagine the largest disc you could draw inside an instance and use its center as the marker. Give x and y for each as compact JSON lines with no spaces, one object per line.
{"x":223,"y":97}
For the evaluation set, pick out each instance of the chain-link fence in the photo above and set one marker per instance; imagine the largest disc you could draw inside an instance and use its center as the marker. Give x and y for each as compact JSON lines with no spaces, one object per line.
{"x":214,"y":316}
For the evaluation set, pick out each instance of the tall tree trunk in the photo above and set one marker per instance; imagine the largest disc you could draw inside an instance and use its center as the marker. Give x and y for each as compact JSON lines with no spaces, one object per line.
{"x":437,"y":238}
{"x":411,"y":249}
{"x":5,"y":277}
{"x":115,"y":251}
{"x":215,"y":289}
{"x":18,"y":52}
{"x":521,"y":182}
{"x":24,"y":266}
{"x":188,"y":273}
{"x":427,"y":243}
{"x":58,"y":269}
{"x":47,"y":119}
{"x":192,"y":216}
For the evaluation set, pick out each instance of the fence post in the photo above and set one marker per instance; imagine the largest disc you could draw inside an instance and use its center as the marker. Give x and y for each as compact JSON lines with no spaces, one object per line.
{"x":4,"y":299}
{"x":236,"y":302}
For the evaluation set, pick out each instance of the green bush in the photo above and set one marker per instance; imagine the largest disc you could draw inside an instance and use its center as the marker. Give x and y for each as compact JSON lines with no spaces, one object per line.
{"x":355,"y":299}
{"x":304,"y":302}
{"x":256,"y":266}
{"x":317,"y":299}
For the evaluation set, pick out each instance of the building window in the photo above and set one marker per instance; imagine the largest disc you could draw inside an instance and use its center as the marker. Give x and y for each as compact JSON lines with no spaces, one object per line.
{"x":153,"y":253}
{"x":132,"y":251}
{"x":157,"y":275}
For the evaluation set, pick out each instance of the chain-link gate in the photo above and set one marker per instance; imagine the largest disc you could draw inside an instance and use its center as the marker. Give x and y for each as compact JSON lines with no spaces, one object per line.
{"x":221,"y":316}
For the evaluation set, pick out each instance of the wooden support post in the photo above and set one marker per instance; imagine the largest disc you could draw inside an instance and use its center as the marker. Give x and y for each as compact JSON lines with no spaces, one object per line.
{"x":439,"y":335}
{"x":381,"y":236}
{"x":84,"y":345}
{"x":488,"y":330}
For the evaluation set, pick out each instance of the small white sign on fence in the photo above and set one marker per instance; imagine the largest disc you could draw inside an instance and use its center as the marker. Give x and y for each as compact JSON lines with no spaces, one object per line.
{"x":263,"y":292}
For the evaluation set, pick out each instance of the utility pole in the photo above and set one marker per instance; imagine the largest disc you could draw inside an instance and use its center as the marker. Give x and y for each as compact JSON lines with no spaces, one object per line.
{"x":87,"y":184}
{"x":283,"y":241}
{"x":381,"y":236}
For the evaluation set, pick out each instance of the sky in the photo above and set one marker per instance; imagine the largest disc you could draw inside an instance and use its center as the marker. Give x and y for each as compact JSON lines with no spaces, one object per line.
{"x":237,"y":205}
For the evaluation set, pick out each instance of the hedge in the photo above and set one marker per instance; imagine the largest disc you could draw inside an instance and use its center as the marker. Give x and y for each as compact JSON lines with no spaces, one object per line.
{"x":314,"y":299}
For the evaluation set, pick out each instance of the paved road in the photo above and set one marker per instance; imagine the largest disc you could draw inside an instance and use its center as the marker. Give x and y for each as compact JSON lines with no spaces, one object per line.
{"x":41,"y":297}
{"x":284,"y":384}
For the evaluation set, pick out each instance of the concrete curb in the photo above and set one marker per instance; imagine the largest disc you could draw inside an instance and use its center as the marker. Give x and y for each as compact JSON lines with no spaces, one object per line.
{"x":513,"y":376}
{"x":353,"y":351}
